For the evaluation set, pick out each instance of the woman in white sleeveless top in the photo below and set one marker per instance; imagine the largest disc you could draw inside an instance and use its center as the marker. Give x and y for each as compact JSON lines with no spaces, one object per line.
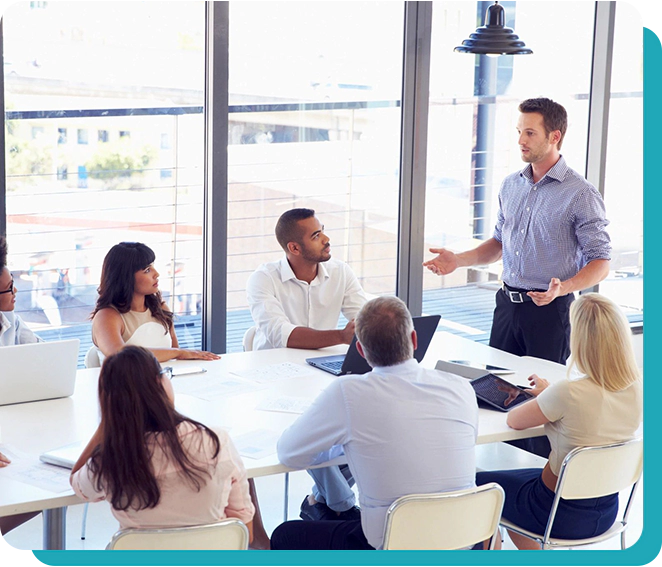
{"x":130,"y":310}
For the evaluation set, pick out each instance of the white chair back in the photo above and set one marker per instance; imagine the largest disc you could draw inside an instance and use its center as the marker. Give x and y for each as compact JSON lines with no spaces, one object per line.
{"x":447,"y":520}
{"x":592,"y":472}
{"x":92,"y":359}
{"x":229,"y":534}
{"x":247,"y":341}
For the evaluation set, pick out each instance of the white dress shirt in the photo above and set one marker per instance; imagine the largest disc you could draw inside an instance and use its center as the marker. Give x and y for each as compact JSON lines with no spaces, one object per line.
{"x":13,"y":331}
{"x":279,"y":302}
{"x":404,"y":429}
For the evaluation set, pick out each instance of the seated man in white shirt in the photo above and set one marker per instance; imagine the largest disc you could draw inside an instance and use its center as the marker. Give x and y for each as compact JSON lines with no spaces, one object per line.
{"x":404,"y":429}
{"x":13,"y":331}
{"x":295,"y":302}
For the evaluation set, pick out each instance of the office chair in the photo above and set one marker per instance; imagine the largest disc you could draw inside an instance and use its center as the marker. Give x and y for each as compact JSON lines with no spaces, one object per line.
{"x":592,"y":472}
{"x":92,"y":359}
{"x":228,"y":534}
{"x":445,"y":520}
{"x":247,"y":341}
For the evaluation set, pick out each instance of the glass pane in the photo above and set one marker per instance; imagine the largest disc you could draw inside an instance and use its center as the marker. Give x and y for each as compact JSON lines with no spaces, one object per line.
{"x":104,"y":144}
{"x":472,"y":138}
{"x":314,"y":122}
{"x":624,"y":181}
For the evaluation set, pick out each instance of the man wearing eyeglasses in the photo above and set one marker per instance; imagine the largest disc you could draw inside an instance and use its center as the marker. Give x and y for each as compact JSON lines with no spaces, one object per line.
{"x":13,"y":331}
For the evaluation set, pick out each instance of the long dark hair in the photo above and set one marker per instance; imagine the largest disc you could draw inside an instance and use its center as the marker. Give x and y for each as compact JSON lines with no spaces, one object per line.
{"x":134,"y":405}
{"x":3,"y":253}
{"x":118,"y":277}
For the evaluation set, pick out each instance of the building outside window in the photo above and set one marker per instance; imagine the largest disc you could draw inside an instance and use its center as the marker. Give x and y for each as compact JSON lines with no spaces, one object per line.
{"x":83,"y":136}
{"x":61,"y":135}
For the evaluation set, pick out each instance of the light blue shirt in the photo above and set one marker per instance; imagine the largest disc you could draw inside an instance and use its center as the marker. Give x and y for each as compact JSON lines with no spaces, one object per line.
{"x":549,"y":229}
{"x":404,"y":429}
{"x":13,"y":331}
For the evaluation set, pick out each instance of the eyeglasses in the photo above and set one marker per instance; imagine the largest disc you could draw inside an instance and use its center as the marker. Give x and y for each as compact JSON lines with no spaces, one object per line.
{"x":167,"y":372}
{"x":11,"y":288}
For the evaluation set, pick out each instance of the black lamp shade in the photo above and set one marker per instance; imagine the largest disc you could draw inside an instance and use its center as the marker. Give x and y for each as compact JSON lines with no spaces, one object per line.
{"x":494,"y":38}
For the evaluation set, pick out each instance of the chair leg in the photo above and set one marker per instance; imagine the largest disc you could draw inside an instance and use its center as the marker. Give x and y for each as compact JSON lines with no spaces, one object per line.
{"x":83,"y":528}
{"x":287,"y":496}
{"x":622,"y":540}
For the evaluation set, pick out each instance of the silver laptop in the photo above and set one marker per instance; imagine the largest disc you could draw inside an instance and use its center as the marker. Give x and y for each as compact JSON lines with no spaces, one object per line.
{"x":471,"y":369}
{"x":38,"y":371}
{"x":463,"y":370}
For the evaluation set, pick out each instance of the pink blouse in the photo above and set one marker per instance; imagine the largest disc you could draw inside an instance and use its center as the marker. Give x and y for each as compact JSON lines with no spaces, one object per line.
{"x":223,"y":495}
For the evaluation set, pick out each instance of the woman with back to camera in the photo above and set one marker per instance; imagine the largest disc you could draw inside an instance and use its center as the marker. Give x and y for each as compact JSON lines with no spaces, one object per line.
{"x":157,"y":467}
{"x":603,"y":406}
{"x":130,"y":310}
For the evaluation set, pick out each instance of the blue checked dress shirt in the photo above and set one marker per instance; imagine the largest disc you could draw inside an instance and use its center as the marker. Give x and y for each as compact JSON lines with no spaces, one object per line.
{"x":550,"y":229}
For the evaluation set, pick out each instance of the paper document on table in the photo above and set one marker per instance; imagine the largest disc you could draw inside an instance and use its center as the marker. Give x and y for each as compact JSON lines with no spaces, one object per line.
{"x":213,"y":389}
{"x":287,"y":404}
{"x":30,"y":470}
{"x":256,"y":444}
{"x":274,"y":372}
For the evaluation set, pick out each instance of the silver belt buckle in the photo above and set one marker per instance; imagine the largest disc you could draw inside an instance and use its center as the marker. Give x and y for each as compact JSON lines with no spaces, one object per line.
{"x":515,"y":296}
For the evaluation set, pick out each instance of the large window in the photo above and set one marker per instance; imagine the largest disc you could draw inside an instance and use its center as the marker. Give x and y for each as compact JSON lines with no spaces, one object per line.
{"x":119,"y":81}
{"x":472,"y":138}
{"x":314,"y":122}
{"x":624,"y":181}
{"x":105,"y":136}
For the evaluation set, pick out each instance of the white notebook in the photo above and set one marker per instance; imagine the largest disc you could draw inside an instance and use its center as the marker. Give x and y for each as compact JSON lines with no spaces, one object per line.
{"x":65,"y":456}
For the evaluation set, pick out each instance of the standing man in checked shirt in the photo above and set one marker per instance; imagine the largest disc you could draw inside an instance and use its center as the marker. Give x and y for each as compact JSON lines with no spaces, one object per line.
{"x":551,"y":233}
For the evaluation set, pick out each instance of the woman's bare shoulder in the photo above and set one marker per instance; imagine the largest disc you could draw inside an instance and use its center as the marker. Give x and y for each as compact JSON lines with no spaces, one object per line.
{"x":107,"y":316}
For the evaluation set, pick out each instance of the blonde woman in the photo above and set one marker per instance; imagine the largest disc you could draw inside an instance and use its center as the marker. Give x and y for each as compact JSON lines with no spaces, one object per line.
{"x":603,"y":406}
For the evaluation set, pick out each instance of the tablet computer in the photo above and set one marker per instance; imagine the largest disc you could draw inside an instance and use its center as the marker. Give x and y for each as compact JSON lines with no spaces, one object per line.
{"x":498,"y":393}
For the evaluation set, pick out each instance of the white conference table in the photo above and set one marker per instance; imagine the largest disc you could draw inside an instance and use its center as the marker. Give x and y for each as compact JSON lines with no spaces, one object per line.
{"x":37,"y":427}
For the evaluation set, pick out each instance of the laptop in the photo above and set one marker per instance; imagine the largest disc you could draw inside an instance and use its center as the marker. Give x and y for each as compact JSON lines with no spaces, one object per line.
{"x":354,"y":363}
{"x":470,"y":369}
{"x":38,"y":371}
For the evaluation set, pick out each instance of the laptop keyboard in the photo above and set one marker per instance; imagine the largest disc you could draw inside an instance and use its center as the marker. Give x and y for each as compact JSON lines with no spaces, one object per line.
{"x":335,"y":365}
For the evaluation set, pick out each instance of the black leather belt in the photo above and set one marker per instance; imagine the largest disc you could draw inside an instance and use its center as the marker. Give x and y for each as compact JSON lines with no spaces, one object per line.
{"x":516,"y":295}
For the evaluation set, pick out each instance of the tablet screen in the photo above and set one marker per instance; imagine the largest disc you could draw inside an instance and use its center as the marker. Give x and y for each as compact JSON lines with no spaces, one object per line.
{"x":499,"y":393}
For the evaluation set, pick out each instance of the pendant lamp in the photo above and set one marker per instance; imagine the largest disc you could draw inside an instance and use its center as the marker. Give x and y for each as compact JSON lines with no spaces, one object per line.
{"x":494,"y":38}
